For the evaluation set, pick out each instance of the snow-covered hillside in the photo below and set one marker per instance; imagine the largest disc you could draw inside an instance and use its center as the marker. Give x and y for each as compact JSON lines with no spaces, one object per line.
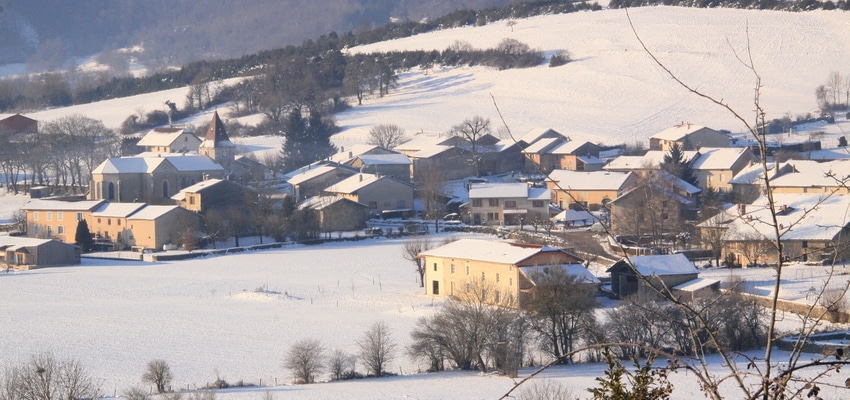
{"x":612,"y":92}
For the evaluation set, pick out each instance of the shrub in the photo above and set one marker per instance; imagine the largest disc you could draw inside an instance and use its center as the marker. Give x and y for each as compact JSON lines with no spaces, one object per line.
{"x":560,"y":58}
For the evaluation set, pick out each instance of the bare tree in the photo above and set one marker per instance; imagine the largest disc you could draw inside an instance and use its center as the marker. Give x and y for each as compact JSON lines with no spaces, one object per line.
{"x":377,"y":348}
{"x":305,"y":360}
{"x":387,"y":136}
{"x":158,"y":374}
{"x":471,"y":131}
{"x":44,"y":377}
{"x":341,"y":364}
{"x":546,"y":389}
{"x":411,"y":250}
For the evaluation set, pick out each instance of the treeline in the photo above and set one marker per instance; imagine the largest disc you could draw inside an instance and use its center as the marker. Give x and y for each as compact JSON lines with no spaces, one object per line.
{"x":781,"y":5}
{"x":63,"y":89}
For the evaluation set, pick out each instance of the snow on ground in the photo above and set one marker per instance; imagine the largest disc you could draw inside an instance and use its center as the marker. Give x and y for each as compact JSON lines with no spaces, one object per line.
{"x":235,"y":316}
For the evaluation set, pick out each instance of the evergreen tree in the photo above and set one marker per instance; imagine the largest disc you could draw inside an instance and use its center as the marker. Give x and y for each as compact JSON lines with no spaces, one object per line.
{"x":83,"y":237}
{"x":307,"y":140}
{"x":675,"y":163}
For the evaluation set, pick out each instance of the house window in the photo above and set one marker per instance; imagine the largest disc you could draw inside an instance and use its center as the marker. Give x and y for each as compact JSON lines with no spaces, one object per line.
{"x":387,"y":203}
{"x":98,"y":220}
{"x":35,"y":230}
{"x":497,"y":296}
{"x":373,"y":204}
{"x":35,"y":216}
{"x":510,"y":281}
{"x":435,"y":266}
{"x":191,"y":199}
{"x":60,"y":230}
{"x":50,"y":215}
{"x":109,"y":221}
{"x":435,"y":287}
{"x":49,"y":230}
{"x":79,"y":216}
{"x":476,"y":202}
{"x":510,"y":204}
{"x":664,"y":216}
{"x":467,"y":269}
{"x":483,"y":276}
{"x":493,"y":202}
{"x":805,"y":244}
{"x":60,"y":216}
{"x":497,"y":278}
{"x":537,"y":203}
{"x":118,"y":221}
{"x":453,"y":268}
{"x":492,"y":216}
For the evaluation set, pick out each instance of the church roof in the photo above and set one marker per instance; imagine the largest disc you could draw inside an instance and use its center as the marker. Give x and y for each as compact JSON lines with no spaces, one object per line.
{"x":216,"y":136}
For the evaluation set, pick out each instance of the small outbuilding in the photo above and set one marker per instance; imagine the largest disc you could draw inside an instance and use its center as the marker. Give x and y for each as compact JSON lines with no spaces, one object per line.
{"x":28,"y":253}
{"x":647,"y":275}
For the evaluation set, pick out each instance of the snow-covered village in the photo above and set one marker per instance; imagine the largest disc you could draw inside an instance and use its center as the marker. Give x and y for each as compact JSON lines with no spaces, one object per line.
{"x":631,"y":203}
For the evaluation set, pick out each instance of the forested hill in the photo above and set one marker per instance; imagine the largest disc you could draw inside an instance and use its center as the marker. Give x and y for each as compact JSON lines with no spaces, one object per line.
{"x":174,"y":32}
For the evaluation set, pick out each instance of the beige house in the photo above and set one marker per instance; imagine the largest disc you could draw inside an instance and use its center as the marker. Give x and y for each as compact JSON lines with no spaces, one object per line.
{"x":153,"y":227}
{"x":715,"y":167}
{"x":312,"y":180}
{"x":589,"y":190}
{"x":55,"y":219}
{"x":170,"y":140}
{"x":689,"y":137}
{"x":560,"y":153}
{"x":378,"y":192}
{"x":502,"y":270}
{"x":507,"y":204}
{"x":396,"y":165}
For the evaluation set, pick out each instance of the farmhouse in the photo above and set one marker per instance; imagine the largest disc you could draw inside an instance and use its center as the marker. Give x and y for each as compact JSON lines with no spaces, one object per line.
{"x":337,"y":213}
{"x":54,"y":219}
{"x":589,"y":190}
{"x":501,"y":269}
{"x":715,"y":167}
{"x":689,"y":137}
{"x":170,"y":140}
{"x":213,"y":194}
{"x":507,"y":203}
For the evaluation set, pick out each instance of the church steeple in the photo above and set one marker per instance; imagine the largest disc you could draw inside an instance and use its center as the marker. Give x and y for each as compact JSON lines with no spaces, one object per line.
{"x":217,"y":144}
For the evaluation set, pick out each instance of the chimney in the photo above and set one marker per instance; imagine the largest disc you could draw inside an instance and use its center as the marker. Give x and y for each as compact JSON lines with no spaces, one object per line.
{"x":361,"y":177}
{"x":742,"y":209}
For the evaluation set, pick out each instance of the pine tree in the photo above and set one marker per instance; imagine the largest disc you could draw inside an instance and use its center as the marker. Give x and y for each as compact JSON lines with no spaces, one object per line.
{"x":675,"y":164}
{"x":83,"y":237}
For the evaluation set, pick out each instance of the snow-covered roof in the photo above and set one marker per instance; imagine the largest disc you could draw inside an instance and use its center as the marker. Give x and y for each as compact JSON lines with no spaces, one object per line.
{"x":536,"y":193}
{"x":669,"y":179}
{"x":487,"y":250}
{"x":568,"y":147}
{"x":752,"y":174}
{"x":667,"y":264}
{"x":589,"y":180}
{"x":190,"y":162}
{"x":311,"y":173}
{"x":718,"y":157}
{"x":19,"y":241}
{"x":355,"y":183}
{"x":627,"y":163}
{"x":535,"y":134}
{"x":181,"y":195}
{"x":59,"y":205}
{"x":432,"y":150}
{"x":163,"y":136}
{"x":697,"y":284}
{"x":577,"y":270}
{"x":346,"y":155}
{"x":117,"y":209}
{"x":570,"y":215}
{"x":320,"y":202}
{"x":385,"y":159}
{"x":418,"y":142}
{"x":677,"y":132}
{"x":807,"y":173}
{"x":150,"y":212}
{"x":806,"y":217}
{"x":542,"y":145}
{"x":498,"y":190}
{"x":590,"y":160}
{"x":129,"y":165}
